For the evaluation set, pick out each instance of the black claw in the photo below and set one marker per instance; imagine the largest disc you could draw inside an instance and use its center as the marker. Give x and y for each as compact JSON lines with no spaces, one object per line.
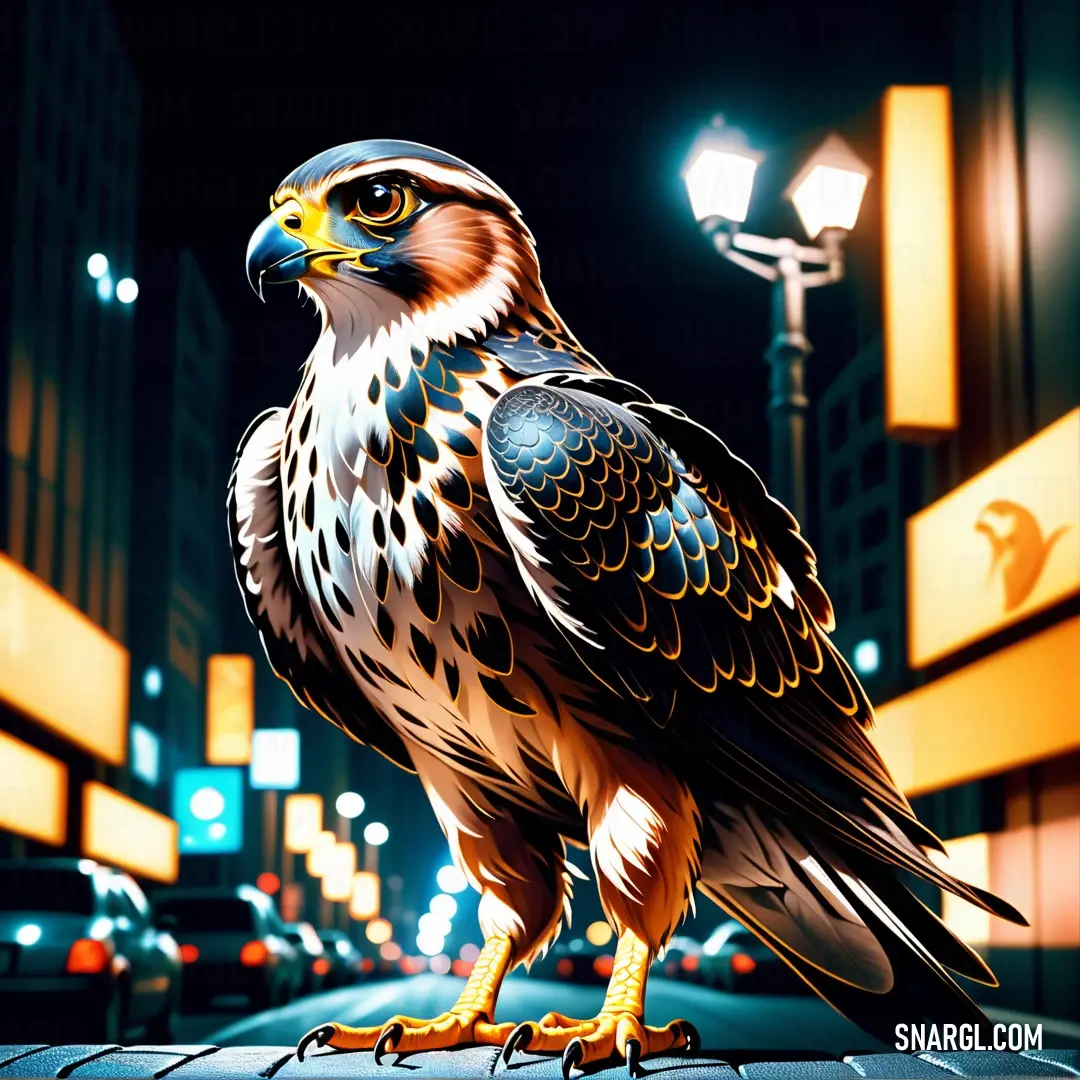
{"x":572,"y":1057}
{"x":633,"y":1057}
{"x":693,"y":1037}
{"x":385,"y":1045}
{"x":518,"y":1039}
{"x":320,"y":1036}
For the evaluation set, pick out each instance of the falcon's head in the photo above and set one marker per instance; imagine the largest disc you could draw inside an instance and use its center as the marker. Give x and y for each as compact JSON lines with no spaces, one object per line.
{"x":383,"y":231}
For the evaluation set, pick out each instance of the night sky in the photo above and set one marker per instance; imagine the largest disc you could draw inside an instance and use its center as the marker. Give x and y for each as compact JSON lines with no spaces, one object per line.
{"x":583,"y":113}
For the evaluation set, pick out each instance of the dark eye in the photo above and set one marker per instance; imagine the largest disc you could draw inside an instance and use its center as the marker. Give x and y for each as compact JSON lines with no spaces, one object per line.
{"x":381,"y":203}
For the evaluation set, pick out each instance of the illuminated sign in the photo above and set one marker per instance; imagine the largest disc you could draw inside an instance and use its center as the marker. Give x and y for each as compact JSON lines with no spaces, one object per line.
{"x":230,"y":709}
{"x":337,"y":880}
{"x":208,"y":805}
{"x":967,"y":858}
{"x":275,"y":759}
{"x":145,"y":753}
{"x":1009,"y":709}
{"x":122,"y":832}
{"x":33,"y":792}
{"x":59,"y":668}
{"x":919,"y":263}
{"x":365,"y":898}
{"x":303,"y":822}
{"x":998,"y":548}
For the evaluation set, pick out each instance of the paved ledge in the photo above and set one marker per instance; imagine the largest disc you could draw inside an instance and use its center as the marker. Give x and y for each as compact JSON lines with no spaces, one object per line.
{"x":87,"y":1062}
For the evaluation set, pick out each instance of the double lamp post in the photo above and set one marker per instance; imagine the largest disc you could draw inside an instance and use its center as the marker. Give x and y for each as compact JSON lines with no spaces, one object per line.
{"x":827,"y":193}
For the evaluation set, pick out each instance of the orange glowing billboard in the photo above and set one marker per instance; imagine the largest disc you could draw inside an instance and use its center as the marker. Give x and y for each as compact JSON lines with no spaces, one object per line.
{"x":1014,"y":707}
{"x":919,"y":263}
{"x":33,"y":792}
{"x":230,"y":709}
{"x":60,"y":668}
{"x":120,"y":831}
{"x":303,"y":822}
{"x":998,"y":548}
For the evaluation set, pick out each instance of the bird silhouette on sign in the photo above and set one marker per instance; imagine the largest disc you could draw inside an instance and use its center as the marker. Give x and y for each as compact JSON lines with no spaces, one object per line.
{"x":1017,"y":546}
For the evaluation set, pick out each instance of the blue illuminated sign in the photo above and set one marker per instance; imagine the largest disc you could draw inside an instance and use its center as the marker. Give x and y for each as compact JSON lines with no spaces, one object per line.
{"x":145,"y":753}
{"x":208,"y":805}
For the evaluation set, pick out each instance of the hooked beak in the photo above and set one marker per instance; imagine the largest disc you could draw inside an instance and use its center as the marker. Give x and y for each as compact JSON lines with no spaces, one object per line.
{"x":274,"y":256}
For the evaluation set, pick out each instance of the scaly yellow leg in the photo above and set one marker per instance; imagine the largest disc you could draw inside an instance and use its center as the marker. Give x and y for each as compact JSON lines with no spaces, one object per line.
{"x":469,"y":1022}
{"x":618,"y":1028}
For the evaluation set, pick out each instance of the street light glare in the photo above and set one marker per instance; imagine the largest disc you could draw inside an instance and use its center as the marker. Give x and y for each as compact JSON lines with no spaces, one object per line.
{"x":376,"y":833}
{"x":443,"y":906}
{"x":452,"y":880}
{"x":152,"y":682}
{"x":97,"y":266}
{"x":430,"y":944}
{"x":719,"y":183}
{"x":349,"y":804}
{"x":379,"y":931}
{"x":828,"y":190}
{"x":127,"y":289}
{"x":867,"y":657}
{"x":433,"y":924}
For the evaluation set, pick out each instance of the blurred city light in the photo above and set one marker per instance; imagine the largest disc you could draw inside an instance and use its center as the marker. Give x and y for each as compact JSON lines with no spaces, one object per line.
{"x":152,"y":681}
{"x":230,"y":709}
{"x":145,"y":754}
{"x":720,"y":174}
{"x":41,"y":630}
{"x":577,"y":945}
{"x":376,"y":833}
{"x":268,"y":882}
{"x":390,"y":951}
{"x":121,"y":831}
{"x":97,"y":266}
{"x":365,"y":899}
{"x":105,"y":288}
{"x":275,"y":759}
{"x":443,"y":905}
{"x":440,"y":965}
{"x":828,"y":191}
{"x":208,"y":806}
{"x":349,"y":804}
{"x":867,"y":657}
{"x":127,"y":289}
{"x":318,"y":858}
{"x":337,"y":881}
{"x":433,"y":925}
{"x":33,"y":796}
{"x":452,"y":880}
{"x":303,"y":822}
{"x":599,"y":933}
{"x":28,"y":934}
{"x":469,"y":953}
{"x":430,"y":944}
{"x":378,"y":931}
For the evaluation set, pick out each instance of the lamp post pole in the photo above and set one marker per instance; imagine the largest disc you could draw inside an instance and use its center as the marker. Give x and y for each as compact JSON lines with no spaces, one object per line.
{"x":783,"y":262}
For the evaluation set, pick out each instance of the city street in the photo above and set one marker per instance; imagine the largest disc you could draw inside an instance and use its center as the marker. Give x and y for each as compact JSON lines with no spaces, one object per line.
{"x":725,"y":1020}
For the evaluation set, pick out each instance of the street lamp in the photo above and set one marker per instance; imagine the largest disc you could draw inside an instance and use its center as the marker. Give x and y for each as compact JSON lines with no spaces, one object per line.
{"x":827,"y":194}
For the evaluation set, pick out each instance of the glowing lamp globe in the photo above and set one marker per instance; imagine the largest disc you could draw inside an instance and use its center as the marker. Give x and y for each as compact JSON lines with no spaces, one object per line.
{"x":719,"y":174}
{"x":828,"y":190}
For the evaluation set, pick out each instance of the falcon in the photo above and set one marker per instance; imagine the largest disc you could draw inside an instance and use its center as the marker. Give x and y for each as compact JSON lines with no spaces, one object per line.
{"x":574,"y":614}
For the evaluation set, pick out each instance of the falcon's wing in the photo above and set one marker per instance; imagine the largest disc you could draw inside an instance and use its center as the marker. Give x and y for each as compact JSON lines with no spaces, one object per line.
{"x":685,"y":588}
{"x":294,"y":645}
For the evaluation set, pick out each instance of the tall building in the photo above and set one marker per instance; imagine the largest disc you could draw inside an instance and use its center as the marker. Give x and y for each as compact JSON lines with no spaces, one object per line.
{"x":960,"y":557}
{"x":71,"y":138}
{"x":179,"y":561}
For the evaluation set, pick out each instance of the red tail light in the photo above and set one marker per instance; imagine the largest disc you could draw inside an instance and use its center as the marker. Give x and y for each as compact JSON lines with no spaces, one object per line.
{"x":189,"y":953}
{"x":565,"y":968}
{"x":321,"y":966}
{"x":254,"y":954}
{"x":603,"y":966}
{"x":368,"y":965}
{"x":742,"y":964}
{"x":88,"y":956}
{"x":689,"y":963}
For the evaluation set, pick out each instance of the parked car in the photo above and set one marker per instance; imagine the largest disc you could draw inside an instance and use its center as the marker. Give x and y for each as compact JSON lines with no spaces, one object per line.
{"x":682,"y":960}
{"x":346,"y":962}
{"x":232,"y":941}
{"x":316,"y":965}
{"x":577,"y":961}
{"x":735,"y":959}
{"x":80,"y":956}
